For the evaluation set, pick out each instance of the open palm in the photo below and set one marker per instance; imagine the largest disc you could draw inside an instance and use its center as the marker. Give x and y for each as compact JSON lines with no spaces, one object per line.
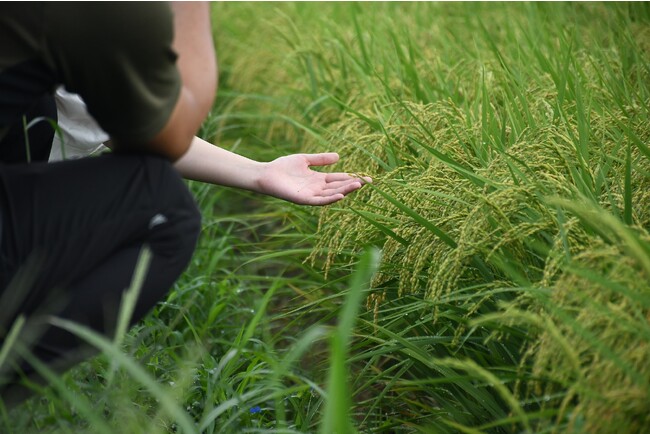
{"x":290,"y":178}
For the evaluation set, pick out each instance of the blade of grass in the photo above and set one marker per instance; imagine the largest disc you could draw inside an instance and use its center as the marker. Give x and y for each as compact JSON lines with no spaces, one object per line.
{"x":596,"y":217}
{"x":132,"y":294}
{"x":468,"y":173}
{"x":80,"y":402}
{"x":627,"y":189}
{"x":336,"y":416}
{"x":8,"y":342}
{"x":356,"y":10}
{"x":417,"y":217}
{"x":382,"y":228}
{"x":138,"y":373}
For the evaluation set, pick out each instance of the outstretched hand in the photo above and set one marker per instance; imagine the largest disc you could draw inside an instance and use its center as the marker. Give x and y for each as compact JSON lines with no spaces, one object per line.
{"x":290,"y":178}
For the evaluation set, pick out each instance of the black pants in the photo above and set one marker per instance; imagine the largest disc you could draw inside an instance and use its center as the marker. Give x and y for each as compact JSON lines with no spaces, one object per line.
{"x":71,"y":235}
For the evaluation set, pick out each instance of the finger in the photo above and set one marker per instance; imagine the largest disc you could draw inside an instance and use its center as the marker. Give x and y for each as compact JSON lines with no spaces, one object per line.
{"x":332,"y":177}
{"x":325,"y":200}
{"x":321,"y":159}
{"x":337,"y":184}
{"x":362,"y":179}
{"x":329,"y":196}
{"x":345,"y":189}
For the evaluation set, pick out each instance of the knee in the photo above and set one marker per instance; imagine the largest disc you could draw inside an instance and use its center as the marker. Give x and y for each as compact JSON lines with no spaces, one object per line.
{"x":175,"y":221}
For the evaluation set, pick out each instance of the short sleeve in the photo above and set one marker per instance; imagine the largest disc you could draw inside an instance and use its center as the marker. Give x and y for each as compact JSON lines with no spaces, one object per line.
{"x":119,"y":58}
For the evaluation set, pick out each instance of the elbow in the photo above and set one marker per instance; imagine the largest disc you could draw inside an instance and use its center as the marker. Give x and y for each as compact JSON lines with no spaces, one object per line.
{"x":173,"y":141}
{"x":192,"y":108}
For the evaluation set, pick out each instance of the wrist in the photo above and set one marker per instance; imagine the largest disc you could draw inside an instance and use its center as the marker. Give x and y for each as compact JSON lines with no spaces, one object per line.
{"x":259,"y":177}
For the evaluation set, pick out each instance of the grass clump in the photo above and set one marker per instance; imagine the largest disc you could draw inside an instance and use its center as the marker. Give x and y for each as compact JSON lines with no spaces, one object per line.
{"x":600,"y":310}
{"x":466,"y":187}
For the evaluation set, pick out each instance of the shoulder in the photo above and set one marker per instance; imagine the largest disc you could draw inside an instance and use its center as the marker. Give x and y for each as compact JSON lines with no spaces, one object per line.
{"x":104,"y":26}
{"x":119,"y":57}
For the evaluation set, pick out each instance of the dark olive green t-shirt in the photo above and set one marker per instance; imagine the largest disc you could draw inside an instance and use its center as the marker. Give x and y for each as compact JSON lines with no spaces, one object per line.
{"x":117,"y":56}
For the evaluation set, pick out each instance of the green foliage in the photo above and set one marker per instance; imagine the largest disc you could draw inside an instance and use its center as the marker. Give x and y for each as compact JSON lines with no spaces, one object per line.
{"x":336,"y":418}
{"x":480,"y":128}
{"x":508,"y":144}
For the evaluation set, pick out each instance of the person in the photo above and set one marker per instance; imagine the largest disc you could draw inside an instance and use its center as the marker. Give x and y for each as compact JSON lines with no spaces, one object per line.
{"x":289,"y":177}
{"x":71,"y":231}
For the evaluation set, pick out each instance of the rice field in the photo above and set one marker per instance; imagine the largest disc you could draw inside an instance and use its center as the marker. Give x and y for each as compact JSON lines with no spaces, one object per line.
{"x":494,"y":278}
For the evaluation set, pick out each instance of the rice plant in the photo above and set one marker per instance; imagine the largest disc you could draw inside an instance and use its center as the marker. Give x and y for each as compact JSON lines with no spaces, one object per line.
{"x":475,"y":160}
{"x":508,"y":144}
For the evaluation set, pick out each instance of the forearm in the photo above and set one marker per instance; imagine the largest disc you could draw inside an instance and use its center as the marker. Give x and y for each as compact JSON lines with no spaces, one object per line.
{"x":206,"y":162}
{"x":289,"y":177}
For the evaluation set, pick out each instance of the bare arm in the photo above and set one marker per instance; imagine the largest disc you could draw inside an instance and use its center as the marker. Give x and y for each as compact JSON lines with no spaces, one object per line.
{"x":289,"y":177}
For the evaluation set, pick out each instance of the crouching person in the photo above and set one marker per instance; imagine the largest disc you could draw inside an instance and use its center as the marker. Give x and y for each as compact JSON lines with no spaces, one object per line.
{"x":71,"y":232}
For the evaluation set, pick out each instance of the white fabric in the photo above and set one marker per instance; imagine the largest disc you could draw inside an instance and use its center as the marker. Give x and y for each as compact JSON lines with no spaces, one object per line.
{"x":82,"y":135}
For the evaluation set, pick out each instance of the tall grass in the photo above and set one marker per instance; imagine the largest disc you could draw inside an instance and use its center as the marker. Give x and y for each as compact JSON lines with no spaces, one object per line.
{"x":501,"y":138}
{"x":508,"y":147}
